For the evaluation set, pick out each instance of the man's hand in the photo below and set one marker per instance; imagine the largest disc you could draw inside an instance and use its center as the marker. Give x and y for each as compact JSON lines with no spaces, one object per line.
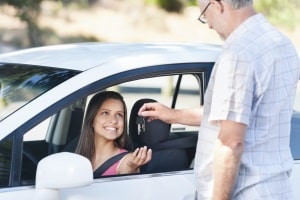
{"x":156,"y":110}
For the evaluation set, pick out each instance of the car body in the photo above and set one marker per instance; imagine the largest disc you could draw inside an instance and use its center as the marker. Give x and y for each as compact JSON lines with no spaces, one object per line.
{"x":44,"y":93}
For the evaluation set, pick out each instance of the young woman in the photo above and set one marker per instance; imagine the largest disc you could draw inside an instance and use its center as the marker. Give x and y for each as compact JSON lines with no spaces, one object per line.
{"x":104,"y":135}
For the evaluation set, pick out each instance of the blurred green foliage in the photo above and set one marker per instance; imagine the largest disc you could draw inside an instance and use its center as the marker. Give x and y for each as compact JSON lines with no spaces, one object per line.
{"x":283,"y":13}
{"x":28,"y":11}
{"x":172,"y":5}
{"x":279,"y":12}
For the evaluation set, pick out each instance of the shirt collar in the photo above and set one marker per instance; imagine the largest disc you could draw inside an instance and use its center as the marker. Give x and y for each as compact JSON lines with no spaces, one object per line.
{"x":243,"y":28}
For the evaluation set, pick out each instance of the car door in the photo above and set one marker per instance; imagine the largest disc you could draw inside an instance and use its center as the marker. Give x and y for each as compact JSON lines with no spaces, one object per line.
{"x":27,"y":148}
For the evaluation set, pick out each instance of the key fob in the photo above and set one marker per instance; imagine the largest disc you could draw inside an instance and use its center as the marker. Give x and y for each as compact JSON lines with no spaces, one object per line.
{"x":140,"y":121}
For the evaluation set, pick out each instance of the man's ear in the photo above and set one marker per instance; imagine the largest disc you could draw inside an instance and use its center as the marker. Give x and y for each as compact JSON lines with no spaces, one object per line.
{"x":218,"y":5}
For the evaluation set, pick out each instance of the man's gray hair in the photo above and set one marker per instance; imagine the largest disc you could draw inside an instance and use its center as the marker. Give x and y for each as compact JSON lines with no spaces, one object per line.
{"x":239,"y":3}
{"x":236,"y":4}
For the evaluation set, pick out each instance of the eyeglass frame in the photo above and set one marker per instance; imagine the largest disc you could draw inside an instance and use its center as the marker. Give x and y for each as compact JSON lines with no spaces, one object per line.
{"x":202,"y":14}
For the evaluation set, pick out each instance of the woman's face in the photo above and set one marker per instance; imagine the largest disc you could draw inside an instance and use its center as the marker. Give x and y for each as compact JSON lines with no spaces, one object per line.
{"x":109,"y":120}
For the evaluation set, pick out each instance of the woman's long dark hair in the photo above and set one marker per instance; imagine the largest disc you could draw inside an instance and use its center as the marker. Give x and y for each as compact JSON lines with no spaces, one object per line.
{"x":86,"y":144}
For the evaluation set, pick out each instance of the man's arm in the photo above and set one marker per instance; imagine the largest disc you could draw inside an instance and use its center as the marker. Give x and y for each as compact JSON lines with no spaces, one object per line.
{"x":191,"y":117}
{"x":227,"y":155}
{"x":156,"y":110}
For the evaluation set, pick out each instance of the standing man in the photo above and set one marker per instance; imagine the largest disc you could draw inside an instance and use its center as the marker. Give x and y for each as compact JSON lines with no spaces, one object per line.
{"x":243,"y":148}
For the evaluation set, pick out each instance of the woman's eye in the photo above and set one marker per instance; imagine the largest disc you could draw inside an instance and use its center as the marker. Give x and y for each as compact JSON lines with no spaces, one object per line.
{"x":120,"y":115}
{"x":104,"y":113}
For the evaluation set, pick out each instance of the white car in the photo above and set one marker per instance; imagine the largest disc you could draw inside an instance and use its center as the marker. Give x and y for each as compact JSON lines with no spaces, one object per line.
{"x":43,"y":95}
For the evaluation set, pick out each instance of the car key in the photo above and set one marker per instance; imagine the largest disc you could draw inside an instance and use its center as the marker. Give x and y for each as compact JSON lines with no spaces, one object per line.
{"x":140,"y":121}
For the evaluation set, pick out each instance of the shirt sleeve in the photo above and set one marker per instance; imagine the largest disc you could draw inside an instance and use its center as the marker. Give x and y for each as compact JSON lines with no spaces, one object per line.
{"x":233,"y":89}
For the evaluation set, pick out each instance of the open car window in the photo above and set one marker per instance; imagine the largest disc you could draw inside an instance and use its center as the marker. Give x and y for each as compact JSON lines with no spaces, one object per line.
{"x":163,"y":90}
{"x":61,"y":131}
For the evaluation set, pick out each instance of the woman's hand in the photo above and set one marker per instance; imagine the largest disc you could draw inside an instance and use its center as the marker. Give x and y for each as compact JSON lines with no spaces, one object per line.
{"x":133,"y":161}
{"x":139,"y":157}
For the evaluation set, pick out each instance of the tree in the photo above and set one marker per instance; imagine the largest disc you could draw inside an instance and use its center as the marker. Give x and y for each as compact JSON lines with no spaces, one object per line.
{"x":283,"y":13}
{"x":28,"y":11}
{"x":172,"y":5}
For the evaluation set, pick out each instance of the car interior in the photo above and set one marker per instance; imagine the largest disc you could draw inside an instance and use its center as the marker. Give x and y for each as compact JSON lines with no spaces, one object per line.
{"x":170,"y":152}
{"x":173,"y":146}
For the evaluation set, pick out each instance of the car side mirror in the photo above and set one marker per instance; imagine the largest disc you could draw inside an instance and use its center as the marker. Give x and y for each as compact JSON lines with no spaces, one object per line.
{"x":61,"y":170}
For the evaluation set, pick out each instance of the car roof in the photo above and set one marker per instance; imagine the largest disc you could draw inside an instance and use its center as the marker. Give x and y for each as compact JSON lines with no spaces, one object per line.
{"x":97,"y":61}
{"x":84,"y":56}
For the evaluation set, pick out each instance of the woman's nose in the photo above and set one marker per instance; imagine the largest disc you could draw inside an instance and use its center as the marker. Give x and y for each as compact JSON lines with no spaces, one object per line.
{"x":113,"y":119}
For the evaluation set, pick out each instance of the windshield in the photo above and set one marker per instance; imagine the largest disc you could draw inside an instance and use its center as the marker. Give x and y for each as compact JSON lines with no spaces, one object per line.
{"x":20,"y":84}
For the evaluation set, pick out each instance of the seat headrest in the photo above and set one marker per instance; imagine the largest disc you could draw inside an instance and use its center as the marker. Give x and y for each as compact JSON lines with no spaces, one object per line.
{"x":156,"y":131}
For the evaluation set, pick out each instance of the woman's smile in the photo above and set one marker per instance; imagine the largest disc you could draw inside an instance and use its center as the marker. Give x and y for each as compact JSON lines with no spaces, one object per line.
{"x":109,"y":121}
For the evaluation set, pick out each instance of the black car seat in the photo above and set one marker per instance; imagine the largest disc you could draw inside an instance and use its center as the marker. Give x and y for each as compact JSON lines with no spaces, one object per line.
{"x":169,"y":150}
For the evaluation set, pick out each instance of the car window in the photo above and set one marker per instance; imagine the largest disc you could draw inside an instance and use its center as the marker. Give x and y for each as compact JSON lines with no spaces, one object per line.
{"x":20,"y":84}
{"x":5,"y":161}
{"x":60,"y":132}
{"x":35,"y":147}
{"x":295,"y":126}
{"x":55,"y":134}
{"x":297,"y":99}
{"x":162,"y":90}
{"x":39,"y":132}
{"x":189,"y":96}
{"x":176,"y":150}
{"x":179,"y":147}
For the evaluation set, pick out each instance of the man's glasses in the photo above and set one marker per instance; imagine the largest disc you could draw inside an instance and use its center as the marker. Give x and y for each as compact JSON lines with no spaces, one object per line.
{"x":202,"y":17}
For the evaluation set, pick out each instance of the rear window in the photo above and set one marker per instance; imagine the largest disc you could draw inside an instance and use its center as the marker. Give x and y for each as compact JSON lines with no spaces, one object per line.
{"x":20,"y":84}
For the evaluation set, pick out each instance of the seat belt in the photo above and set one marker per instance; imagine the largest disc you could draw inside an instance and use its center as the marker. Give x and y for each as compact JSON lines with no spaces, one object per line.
{"x":108,"y":163}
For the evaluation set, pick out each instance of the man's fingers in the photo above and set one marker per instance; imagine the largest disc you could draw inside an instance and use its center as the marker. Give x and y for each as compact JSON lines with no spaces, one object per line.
{"x":146,"y":107}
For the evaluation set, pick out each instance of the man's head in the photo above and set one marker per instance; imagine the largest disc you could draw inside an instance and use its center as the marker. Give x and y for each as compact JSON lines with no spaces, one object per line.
{"x":236,"y":4}
{"x":225,"y":15}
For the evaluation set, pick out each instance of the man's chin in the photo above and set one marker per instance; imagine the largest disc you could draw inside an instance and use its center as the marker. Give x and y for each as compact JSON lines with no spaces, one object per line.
{"x":222,"y":37}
